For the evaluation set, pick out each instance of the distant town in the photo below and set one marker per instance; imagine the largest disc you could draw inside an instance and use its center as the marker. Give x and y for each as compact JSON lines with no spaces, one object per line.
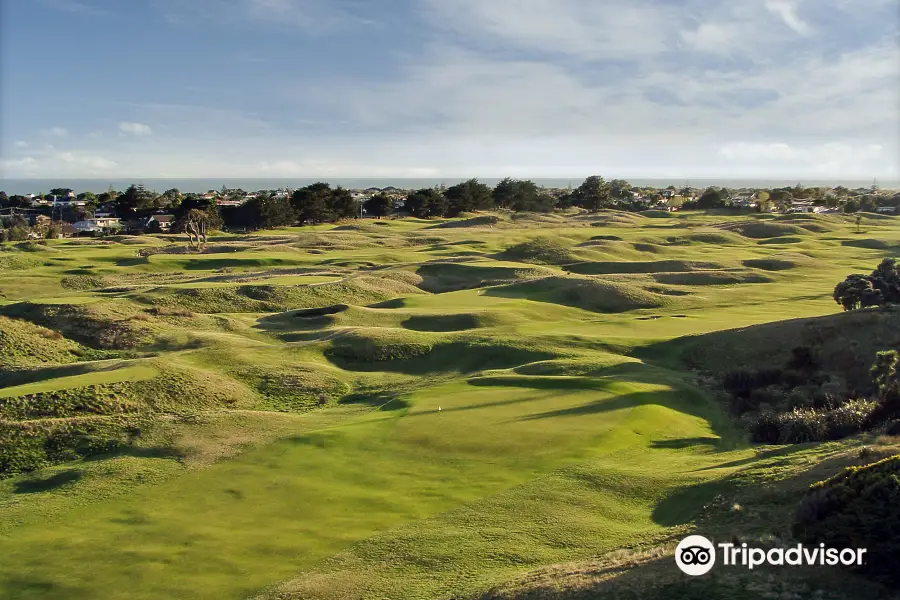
{"x":65,"y":212}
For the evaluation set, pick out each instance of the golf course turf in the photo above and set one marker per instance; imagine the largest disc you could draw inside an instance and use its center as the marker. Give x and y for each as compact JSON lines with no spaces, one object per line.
{"x":420,"y":409}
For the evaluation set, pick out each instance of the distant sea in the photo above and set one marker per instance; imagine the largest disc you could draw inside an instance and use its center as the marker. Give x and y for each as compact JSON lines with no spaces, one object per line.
{"x":35,"y":186}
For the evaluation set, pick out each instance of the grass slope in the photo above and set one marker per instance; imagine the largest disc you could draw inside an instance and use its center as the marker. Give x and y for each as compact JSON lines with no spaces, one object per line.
{"x":444,"y":410}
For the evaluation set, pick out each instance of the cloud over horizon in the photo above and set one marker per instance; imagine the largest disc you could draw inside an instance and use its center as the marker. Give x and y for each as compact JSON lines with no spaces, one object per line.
{"x":447,"y":88}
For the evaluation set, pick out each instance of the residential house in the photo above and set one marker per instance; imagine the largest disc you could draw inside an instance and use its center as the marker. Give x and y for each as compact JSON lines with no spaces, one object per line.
{"x":95,"y":225}
{"x":164,"y":221}
{"x":889,"y":210}
{"x":41,"y":221}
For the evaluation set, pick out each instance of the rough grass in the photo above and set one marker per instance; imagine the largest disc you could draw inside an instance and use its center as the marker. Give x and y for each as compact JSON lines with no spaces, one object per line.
{"x":277,"y":298}
{"x":659,"y":266}
{"x":764,"y":230}
{"x":711,"y":278}
{"x":430,"y":445}
{"x":846,"y":343}
{"x":25,"y":344}
{"x":587,"y":294}
{"x":449,"y":277}
{"x":541,"y":251}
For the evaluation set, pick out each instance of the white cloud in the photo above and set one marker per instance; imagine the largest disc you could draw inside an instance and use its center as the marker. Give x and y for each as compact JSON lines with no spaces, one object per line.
{"x":21,"y":144}
{"x":135,"y":129}
{"x":55,"y":132}
{"x":58,"y":164}
{"x":713,"y":37}
{"x":835,"y":159}
{"x":612,"y":29}
{"x":787,"y":10}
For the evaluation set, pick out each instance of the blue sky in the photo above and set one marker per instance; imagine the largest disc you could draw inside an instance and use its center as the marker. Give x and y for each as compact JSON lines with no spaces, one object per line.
{"x":448,"y":88}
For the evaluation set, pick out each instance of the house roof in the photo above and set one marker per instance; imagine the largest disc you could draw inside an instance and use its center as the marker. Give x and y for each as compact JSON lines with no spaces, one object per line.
{"x":163,"y":218}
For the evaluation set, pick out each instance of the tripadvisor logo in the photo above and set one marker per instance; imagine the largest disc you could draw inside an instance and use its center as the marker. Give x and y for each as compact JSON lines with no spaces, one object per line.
{"x":696,"y":555}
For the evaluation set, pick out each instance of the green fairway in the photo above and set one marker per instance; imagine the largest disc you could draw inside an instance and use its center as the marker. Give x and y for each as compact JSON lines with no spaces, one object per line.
{"x":410,"y":411}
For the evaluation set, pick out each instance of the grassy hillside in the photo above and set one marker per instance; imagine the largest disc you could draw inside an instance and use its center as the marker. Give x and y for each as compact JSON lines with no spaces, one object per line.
{"x":453,"y":408}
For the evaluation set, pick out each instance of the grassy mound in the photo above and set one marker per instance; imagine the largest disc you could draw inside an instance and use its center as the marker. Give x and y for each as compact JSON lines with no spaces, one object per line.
{"x":379,"y":345}
{"x":648,"y":247}
{"x":844,"y":343}
{"x":18,"y":261}
{"x":279,"y":298}
{"x":711,"y":278}
{"x":765,"y":230}
{"x":870,"y":244}
{"x":293,"y":389}
{"x":655,"y":214}
{"x":25,"y":344}
{"x":479,"y":221}
{"x":857,"y":509}
{"x":781,"y":262}
{"x":109,"y":326}
{"x":442,"y":323}
{"x":541,"y":251}
{"x":658,"y":266}
{"x":538,"y":218}
{"x":420,"y":353}
{"x":451,"y":277}
{"x":83,"y":282}
{"x":606,"y":218}
{"x":588,"y":294}
{"x":577,"y":367}
{"x":718,"y":238}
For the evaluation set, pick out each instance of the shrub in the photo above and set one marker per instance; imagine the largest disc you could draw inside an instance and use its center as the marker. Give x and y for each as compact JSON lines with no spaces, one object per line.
{"x":802,"y":425}
{"x":849,"y":418}
{"x":741,"y":383}
{"x":857,"y":509}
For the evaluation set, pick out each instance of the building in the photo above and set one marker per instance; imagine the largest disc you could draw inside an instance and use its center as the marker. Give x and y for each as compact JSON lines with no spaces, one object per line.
{"x":97,"y":225}
{"x":164,"y":221}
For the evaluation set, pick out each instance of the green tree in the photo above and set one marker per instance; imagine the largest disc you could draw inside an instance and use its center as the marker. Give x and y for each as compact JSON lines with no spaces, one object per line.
{"x":467,"y":196}
{"x":61,"y":192}
{"x":856,"y":291}
{"x":313,"y":203}
{"x":884,"y":371}
{"x":343,"y":206}
{"x":711,"y":198}
{"x":170,"y":199}
{"x":851,"y":206}
{"x":504,"y":192}
{"x":519,"y":195}
{"x":379,"y":205}
{"x":134,"y":200}
{"x":620,"y":190}
{"x":426,"y":203}
{"x":593,"y":194}
{"x":272,"y":212}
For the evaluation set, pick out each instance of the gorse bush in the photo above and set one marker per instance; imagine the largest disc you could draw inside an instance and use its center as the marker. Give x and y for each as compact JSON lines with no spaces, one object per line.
{"x":802,"y":425}
{"x":857,"y":509}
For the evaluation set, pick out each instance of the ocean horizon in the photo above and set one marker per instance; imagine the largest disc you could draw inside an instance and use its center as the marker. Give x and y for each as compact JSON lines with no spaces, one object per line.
{"x":198,"y":185}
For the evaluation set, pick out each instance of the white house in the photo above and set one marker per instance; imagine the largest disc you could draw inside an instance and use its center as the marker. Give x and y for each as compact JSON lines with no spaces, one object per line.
{"x":97,"y":225}
{"x":165,"y":221}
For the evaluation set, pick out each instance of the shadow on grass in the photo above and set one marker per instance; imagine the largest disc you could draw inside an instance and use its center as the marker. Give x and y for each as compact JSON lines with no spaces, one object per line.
{"x":451,"y":357}
{"x":19,"y":588}
{"x":682,"y":443}
{"x":46,"y":484}
{"x":387,"y":401}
